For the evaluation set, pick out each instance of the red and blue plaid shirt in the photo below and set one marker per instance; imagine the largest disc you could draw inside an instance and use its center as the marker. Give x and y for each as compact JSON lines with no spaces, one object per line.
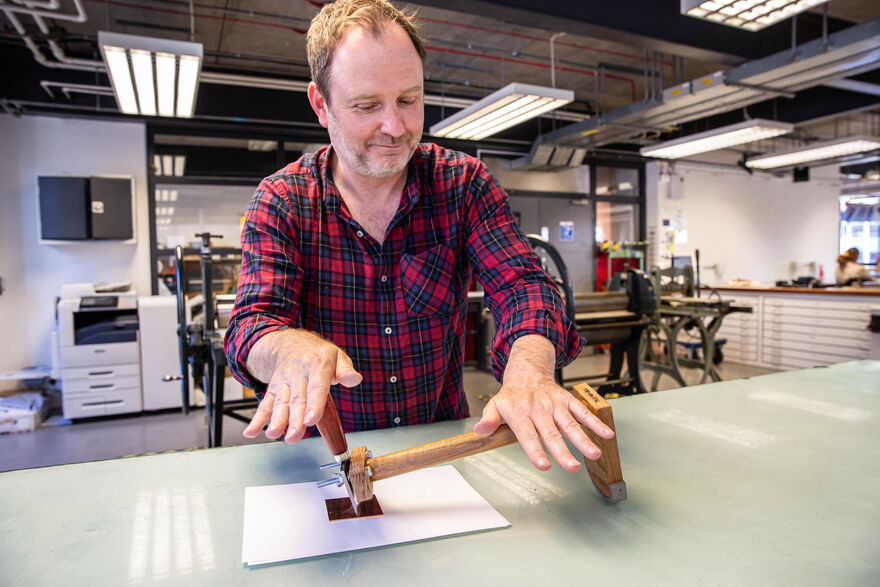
{"x":397,"y":308}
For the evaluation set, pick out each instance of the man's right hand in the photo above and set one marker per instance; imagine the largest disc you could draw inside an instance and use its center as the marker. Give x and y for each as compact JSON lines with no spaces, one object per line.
{"x":299,"y":368}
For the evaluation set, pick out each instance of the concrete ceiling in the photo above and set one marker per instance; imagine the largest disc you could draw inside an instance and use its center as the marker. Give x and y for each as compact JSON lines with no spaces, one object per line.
{"x":474,"y":47}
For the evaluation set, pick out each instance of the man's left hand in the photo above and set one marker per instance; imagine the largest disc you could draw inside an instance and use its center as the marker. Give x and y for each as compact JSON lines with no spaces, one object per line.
{"x":538,"y":410}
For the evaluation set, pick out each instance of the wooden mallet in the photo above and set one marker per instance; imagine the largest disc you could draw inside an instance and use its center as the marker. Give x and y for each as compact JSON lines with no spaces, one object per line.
{"x":362,"y":469}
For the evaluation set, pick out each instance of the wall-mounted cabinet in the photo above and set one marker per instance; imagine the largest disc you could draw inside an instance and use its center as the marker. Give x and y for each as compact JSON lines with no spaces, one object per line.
{"x":85,"y":208}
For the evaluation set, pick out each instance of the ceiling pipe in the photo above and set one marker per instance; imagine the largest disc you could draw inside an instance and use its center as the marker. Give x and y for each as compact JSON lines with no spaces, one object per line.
{"x":65,"y":62}
{"x":67,"y":89}
{"x":80,"y":15}
{"x":59,"y":54}
{"x":33,"y":4}
{"x":485,"y":56}
{"x":37,"y":53}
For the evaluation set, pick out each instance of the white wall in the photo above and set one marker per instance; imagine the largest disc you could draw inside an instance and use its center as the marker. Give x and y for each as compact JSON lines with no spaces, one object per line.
{"x":753,"y":226}
{"x":33,"y":273}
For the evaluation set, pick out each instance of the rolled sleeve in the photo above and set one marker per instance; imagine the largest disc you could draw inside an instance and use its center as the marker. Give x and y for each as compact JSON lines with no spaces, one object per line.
{"x":552,"y":325}
{"x":270,"y":279}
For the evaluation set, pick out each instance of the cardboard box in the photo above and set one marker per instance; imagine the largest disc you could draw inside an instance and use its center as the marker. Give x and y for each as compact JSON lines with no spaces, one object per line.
{"x":22,"y":412}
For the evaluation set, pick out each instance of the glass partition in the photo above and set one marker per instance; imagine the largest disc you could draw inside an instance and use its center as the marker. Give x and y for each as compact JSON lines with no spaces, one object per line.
{"x":617,"y":181}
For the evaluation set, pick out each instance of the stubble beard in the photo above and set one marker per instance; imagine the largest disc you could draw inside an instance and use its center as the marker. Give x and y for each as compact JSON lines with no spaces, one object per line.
{"x":359,"y":160}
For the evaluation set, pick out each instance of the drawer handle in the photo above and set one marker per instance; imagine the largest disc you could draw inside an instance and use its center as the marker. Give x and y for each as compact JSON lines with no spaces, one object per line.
{"x":100,"y":373}
{"x":103,"y":386}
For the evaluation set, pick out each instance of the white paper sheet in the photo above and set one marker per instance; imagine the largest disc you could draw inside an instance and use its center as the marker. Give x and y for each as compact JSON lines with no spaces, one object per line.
{"x":288,"y":522}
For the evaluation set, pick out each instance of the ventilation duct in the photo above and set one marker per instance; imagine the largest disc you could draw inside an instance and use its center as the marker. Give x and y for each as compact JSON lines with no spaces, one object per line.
{"x":843,"y":54}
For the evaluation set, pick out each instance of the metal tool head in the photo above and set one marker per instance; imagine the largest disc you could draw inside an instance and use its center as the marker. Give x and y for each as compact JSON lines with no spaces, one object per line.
{"x":354,"y":475}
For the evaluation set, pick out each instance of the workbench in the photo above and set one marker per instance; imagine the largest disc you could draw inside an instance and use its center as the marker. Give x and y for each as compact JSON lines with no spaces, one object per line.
{"x":766,"y":481}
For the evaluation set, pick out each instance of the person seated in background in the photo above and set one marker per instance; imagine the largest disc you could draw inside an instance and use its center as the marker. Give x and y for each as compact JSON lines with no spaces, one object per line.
{"x":849,"y":270}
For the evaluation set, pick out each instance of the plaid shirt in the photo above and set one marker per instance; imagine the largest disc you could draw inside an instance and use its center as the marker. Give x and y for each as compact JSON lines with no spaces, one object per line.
{"x":397,"y":308}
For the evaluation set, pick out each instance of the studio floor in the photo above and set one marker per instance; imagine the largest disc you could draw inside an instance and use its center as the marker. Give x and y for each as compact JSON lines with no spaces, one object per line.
{"x":110,"y":438}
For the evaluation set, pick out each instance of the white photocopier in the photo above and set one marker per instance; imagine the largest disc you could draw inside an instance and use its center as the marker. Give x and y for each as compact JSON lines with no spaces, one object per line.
{"x":98,"y":349}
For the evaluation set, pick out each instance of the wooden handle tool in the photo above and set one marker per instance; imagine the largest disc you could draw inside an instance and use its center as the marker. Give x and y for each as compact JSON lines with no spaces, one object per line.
{"x":330,"y":428}
{"x":605,"y":472}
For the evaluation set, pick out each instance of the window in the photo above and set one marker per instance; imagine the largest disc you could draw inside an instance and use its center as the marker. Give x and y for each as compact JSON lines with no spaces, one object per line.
{"x":617,"y":181}
{"x":860,"y":226}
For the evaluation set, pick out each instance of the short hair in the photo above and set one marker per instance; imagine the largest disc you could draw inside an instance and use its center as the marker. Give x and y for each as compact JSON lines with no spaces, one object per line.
{"x":336,"y":18}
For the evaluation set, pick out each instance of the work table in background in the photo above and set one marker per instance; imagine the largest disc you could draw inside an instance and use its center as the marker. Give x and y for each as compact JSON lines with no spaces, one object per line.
{"x":769,"y":481}
{"x":832,"y":291}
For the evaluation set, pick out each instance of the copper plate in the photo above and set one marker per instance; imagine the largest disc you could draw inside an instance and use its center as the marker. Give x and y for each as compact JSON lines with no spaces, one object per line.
{"x":340,"y":508}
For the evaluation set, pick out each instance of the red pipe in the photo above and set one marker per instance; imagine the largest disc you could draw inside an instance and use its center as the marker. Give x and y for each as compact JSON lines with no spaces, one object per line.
{"x":454,"y":51}
{"x":200,"y":15}
{"x":531,"y":38}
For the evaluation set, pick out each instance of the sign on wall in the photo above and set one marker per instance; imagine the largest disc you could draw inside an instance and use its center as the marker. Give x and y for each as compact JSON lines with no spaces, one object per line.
{"x":566,"y":231}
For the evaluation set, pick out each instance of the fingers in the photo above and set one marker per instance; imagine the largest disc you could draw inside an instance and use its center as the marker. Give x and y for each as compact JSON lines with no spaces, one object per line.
{"x":294,"y":410}
{"x":530,"y":441}
{"x":297,"y":391}
{"x":575,"y":433}
{"x":545,"y":413}
{"x":264,"y":411}
{"x":545,"y":423}
{"x":588,"y":419}
{"x":280,"y":390}
{"x":490,"y":421}
{"x":321,"y":374}
{"x":345,"y":372}
{"x":296,"y":407}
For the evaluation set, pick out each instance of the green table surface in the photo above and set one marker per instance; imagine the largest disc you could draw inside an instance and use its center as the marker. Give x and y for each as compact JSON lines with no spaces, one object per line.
{"x":765,"y":481}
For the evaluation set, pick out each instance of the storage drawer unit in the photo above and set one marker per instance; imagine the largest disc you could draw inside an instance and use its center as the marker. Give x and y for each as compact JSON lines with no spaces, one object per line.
{"x":791,"y":330}
{"x":742,"y":331}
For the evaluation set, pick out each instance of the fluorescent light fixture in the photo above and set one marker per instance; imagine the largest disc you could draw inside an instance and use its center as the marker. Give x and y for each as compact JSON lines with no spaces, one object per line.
{"x":512,"y":104}
{"x":751,"y":15}
{"x":120,"y":78}
{"x":166,"y":196}
{"x":824,"y":150}
{"x":165,"y":78}
{"x":186,"y":84}
{"x":261,"y":145}
{"x":169,"y":164}
{"x":161,"y":68}
{"x":164,"y":210}
{"x":720,"y":138}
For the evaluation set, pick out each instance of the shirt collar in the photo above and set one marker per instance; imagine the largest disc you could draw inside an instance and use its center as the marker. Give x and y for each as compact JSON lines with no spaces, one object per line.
{"x":330,"y":193}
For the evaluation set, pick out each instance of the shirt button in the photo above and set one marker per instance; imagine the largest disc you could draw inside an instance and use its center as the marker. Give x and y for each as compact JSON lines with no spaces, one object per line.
{"x":384,"y":278}
{"x":388,"y":330}
{"x":360,"y":233}
{"x":393,"y":379}
{"x":397,"y":420}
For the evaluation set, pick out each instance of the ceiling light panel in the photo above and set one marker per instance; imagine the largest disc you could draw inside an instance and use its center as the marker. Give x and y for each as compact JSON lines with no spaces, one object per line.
{"x":826,"y":150}
{"x":168,"y":165}
{"x":751,"y":15}
{"x":164,"y":73}
{"x":719,"y":138}
{"x":509,"y":106}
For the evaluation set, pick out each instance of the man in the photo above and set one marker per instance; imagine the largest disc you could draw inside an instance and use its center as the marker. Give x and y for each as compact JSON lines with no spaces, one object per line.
{"x":356,"y":261}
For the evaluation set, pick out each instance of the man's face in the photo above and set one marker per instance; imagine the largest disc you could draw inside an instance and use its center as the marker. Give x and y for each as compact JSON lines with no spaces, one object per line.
{"x":376,"y":111}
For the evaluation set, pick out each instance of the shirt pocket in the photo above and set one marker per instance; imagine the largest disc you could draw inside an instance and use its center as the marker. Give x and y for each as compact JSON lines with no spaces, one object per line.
{"x":427,"y":279}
